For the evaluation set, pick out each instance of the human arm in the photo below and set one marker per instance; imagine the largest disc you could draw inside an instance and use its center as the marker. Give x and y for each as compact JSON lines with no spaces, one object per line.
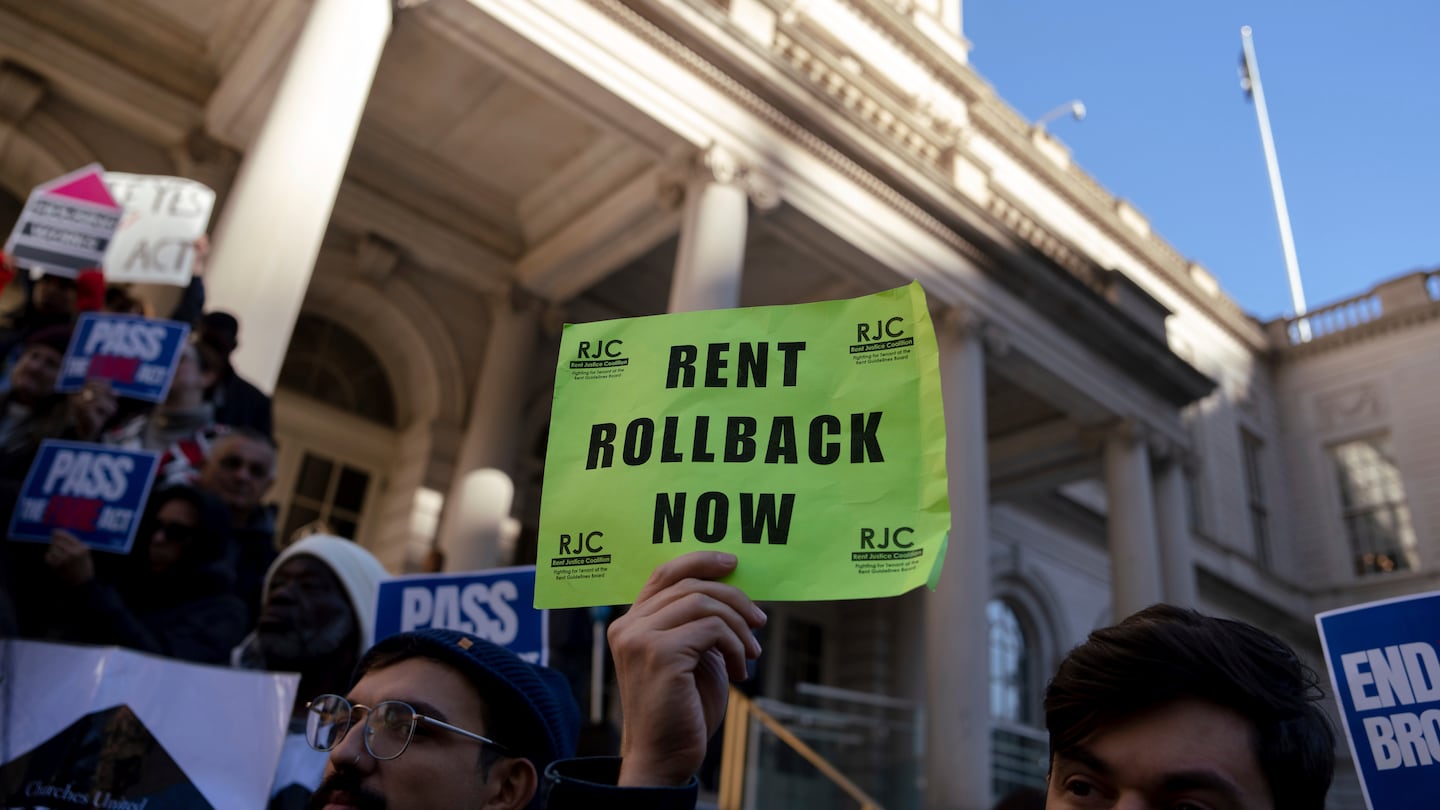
{"x":91,"y":408}
{"x":70,"y":559}
{"x":675,"y":652}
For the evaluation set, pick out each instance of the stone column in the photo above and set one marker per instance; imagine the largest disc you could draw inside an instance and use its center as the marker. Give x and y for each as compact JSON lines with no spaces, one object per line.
{"x":711,"y":255}
{"x":269,"y":233}
{"x":957,"y":635}
{"x":1172,"y":512}
{"x":477,"y":510}
{"x":1134,"y":550}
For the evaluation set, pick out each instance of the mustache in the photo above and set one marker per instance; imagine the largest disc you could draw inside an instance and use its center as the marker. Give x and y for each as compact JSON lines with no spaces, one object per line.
{"x":346,"y":781}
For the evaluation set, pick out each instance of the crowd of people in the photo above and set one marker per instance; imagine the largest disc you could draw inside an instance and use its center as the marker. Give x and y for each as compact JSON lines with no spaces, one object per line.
{"x":1167,"y":709}
{"x":190,"y":586}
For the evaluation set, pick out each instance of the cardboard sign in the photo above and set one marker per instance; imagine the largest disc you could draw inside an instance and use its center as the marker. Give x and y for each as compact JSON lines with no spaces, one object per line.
{"x":808,"y":440}
{"x":88,"y":727}
{"x":67,"y":224}
{"x":1384,"y":661}
{"x":494,"y":605}
{"x":155,"y":243}
{"x":97,"y":493}
{"x":137,"y":355}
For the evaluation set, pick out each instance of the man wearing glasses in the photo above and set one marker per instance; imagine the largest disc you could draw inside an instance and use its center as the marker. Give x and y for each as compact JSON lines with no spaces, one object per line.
{"x":448,"y":720}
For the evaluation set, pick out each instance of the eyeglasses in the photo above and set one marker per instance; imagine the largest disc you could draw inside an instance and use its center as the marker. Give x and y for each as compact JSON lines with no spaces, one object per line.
{"x":389,"y":726}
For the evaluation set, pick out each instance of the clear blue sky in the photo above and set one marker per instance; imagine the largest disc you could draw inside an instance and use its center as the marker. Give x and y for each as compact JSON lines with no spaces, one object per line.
{"x":1354,"y":95}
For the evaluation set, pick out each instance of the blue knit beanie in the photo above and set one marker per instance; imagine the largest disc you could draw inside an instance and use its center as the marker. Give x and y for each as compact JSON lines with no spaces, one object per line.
{"x":549,"y":716}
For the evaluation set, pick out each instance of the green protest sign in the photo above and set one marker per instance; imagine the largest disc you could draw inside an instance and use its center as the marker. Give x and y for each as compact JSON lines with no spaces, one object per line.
{"x":809,"y":440}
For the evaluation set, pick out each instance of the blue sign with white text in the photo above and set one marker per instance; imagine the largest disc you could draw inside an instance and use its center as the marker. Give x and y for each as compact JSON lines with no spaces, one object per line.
{"x":1384,"y":661}
{"x":137,"y":355}
{"x":96,"y":493}
{"x":496,"y":605}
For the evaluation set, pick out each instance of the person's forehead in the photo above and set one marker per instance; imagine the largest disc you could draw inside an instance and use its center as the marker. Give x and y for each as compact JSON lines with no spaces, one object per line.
{"x":428,"y":685}
{"x":49,"y":352}
{"x":1182,"y":739}
{"x":245,"y":447}
{"x":178,"y":509}
{"x":308,"y":566}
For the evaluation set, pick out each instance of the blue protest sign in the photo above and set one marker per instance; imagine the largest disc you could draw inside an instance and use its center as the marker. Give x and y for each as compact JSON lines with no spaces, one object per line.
{"x":95,"y":492}
{"x":496,"y":605}
{"x":1384,"y":660}
{"x":136,"y":354}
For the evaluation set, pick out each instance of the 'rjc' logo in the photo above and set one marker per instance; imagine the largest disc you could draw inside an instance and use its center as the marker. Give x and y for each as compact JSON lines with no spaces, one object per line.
{"x":600,"y":348}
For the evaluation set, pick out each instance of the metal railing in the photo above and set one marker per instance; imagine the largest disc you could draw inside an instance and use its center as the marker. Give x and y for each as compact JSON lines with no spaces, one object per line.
{"x":770,"y":750}
{"x":1020,"y":757}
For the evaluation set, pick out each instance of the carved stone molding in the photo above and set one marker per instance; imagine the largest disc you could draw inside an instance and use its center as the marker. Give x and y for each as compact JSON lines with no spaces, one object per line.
{"x":1360,"y":404}
{"x":376,"y":258}
{"x":20,"y":92}
{"x":715,"y":164}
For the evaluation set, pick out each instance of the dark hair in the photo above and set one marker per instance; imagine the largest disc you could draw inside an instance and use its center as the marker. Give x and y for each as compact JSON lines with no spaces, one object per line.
{"x":1164,"y":654}
{"x":219,"y":330}
{"x":212,"y":520}
{"x":208,"y":357}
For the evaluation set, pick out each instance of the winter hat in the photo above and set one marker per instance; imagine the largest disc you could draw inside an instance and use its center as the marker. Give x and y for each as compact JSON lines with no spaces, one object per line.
{"x":56,"y":337}
{"x":531,"y":707}
{"x":89,"y":291}
{"x":357,"y":569}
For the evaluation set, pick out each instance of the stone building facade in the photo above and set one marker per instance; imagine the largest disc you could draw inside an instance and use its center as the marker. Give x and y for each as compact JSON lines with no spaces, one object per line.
{"x":414,"y":196}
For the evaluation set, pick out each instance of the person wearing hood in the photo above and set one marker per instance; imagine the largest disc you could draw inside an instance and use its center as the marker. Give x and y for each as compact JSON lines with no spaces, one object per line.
{"x":173,"y":593}
{"x":317,"y":618}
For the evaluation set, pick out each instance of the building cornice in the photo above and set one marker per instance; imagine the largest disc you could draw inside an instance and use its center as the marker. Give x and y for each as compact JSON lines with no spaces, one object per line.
{"x":923,"y":124}
{"x":1033,"y":263}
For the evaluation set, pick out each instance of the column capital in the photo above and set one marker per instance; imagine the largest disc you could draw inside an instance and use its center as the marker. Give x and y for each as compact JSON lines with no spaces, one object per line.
{"x":961,"y":322}
{"x":716,"y":164}
{"x":1126,"y":430}
{"x":519,"y":300}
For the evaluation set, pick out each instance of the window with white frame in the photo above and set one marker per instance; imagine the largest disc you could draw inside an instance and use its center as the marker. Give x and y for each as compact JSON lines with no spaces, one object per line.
{"x":1253,"y":454}
{"x":329,"y":495}
{"x":1019,"y":749}
{"x":1373,"y":507}
{"x":1010,"y":698}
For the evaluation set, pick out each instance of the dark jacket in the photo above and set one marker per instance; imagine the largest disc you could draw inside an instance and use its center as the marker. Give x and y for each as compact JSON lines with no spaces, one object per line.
{"x":26,"y":583}
{"x":252,"y":550}
{"x":240,"y":404}
{"x":188,"y":612}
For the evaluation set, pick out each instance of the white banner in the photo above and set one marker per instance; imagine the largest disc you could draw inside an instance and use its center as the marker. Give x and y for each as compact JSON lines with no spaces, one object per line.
{"x":155,"y":243}
{"x":105,"y":727}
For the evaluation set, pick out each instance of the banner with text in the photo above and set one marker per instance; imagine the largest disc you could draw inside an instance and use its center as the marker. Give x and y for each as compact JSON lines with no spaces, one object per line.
{"x":496,"y":605}
{"x":1384,"y":660}
{"x":137,"y":355}
{"x":101,"y":727}
{"x":67,"y":224}
{"x":95,"y":492}
{"x":808,"y":439}
{"x":155,"y":243}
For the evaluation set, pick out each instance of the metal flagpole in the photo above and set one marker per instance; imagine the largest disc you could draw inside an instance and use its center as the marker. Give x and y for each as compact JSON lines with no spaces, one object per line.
{"x":1251,"y":82}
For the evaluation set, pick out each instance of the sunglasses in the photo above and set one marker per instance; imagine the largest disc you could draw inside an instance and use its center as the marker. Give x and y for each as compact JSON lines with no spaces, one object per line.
{"x":174,"y":532}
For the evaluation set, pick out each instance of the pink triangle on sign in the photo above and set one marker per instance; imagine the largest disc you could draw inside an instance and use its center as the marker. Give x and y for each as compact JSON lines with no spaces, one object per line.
{"x":87,"y":184}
